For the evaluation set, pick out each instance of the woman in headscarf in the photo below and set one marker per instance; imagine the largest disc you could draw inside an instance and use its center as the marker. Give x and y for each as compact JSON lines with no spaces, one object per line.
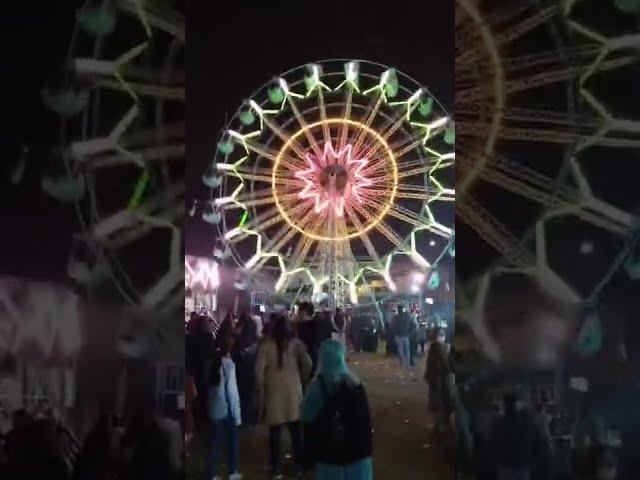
{"x":334,"y":378}
{"x":282,"y":366}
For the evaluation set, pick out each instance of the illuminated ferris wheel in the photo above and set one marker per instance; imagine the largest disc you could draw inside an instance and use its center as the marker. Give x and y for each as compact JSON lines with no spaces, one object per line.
{"x":330,"y":171}
{"x":120,"y":98}
{"x":533,"y":77}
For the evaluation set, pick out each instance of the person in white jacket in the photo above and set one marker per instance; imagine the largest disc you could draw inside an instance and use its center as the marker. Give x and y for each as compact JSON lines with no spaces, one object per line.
{"x":224,"y":412}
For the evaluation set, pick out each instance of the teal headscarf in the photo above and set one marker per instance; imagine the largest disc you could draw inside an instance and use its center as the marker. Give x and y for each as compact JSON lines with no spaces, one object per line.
{"x":332,"y":366}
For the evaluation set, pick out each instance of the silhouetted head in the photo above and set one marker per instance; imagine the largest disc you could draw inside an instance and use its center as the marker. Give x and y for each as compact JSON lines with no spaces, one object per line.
{"x":281,"y":333}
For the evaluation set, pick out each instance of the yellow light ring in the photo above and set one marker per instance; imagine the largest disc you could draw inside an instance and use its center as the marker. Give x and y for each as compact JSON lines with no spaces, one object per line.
{"x":332,"y":121}
{"x":493,"y":52}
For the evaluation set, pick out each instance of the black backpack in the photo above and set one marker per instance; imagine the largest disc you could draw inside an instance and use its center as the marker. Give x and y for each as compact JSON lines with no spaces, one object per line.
{"x":341,"y":433}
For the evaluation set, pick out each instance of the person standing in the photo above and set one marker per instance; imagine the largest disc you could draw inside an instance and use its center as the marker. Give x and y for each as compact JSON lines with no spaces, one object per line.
{"x":355,"y":330}
{"x":401,"y":327}
{"x":439,"y":377}
{"x":306,"y":327}
{"x":515,"y":442}
{"x":198,"y":346}
{"x":338,"y":433}
{"x":245,"y":349}
{"x":323,"y":329}
{"x":282,"y":366}
{"x":413,"y":337}
{"x":224,"y":411}
{"x":339,"y":327}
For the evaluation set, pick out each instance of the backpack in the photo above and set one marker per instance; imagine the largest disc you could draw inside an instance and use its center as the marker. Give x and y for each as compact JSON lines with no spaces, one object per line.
{"x":341,"y":433}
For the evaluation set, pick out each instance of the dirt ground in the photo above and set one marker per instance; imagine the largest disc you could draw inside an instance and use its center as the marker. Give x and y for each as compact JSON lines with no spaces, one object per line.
{"x":403,"y":447}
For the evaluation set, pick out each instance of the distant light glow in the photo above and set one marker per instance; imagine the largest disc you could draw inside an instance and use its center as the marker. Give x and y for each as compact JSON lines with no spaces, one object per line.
{"x":419,"y":277}
{"x":586,"y":247}
{"x":429,"y":301}
{"x":415,"y":288}
{"x":42,"y":314}
{"x":201,"y":273}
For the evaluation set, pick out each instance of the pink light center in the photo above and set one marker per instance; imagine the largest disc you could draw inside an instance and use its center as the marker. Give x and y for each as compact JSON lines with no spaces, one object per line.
{"x":333,"y":179}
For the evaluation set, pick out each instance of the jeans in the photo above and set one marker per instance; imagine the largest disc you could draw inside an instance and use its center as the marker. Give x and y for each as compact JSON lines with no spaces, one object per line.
{"x":275,"y":432}
{"x":403,"y":350}
{"x":216,"y":442}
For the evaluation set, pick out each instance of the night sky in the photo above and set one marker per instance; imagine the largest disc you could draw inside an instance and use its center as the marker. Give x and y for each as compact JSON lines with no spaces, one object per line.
{"x":233,"y":50}
{"x":35,"y":231}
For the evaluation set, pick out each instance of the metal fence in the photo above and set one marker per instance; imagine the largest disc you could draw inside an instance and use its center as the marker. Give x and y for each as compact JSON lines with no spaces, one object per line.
{"x":170,"y":387}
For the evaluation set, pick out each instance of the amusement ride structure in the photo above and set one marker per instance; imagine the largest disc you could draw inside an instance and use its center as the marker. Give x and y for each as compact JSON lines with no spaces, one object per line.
{"x":120,"y":98}
{"x":331,"y":170}
{"x":532,"y":83}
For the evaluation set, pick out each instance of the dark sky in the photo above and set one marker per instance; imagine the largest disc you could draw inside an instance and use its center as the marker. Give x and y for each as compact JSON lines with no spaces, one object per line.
{"x":233,"y":50}
{"x":34,"y":229}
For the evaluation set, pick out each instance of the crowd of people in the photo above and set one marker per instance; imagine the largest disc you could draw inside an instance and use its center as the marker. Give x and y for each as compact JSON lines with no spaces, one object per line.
{"x":37,"y":444}
{"x":511,"y":440}
{"x":290,"y":372}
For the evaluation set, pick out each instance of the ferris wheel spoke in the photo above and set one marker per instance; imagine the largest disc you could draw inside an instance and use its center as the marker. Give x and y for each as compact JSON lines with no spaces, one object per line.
{"x":344,"y":130}
{"x":145,"y":156}
{"x":284,"y":235}
{"x":255,"y":201}
{"x":390,"y":128}
{"x":264,"y":178}
{"x":550,"y":57}
{"x":301,"y":250}
{"x":391,"y":234}
{"x":172,"y":214}
{"x":561,"y":75}
{"x":372,"y":111}
{"x":554,"y":137}
{"x":530,"y":23}
{"x":110,"y":68}
{"x":111,"y":142}
{"x":407,"y":216}
{"x":248,"y":195}
{"x":282,"y":135}
{"x":323,"y":117}
{"x":534,"y":116}
{"x":533,"y":81}
{"x":493,"y":232}
{"x":422,"y":170}
{"x":123,"y":219}
{"x":366,"y":240}
{"x":305,"y":127}
{"x":254,"y":224}
{"x":146,"y":90}
{"x":306,"y":243}
{"x":247,"y":170}
{"x":556,"y":198}
{"x":169,"y":131}
{"x":381,"y":226}
{"x":422,"y":192}
{"x":156,"y":16}
{"x":288,"y":161}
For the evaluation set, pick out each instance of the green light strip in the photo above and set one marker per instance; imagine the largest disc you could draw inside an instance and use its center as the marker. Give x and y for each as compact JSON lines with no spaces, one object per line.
{"x":139,"y":190}
{"x":244,"y":218}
